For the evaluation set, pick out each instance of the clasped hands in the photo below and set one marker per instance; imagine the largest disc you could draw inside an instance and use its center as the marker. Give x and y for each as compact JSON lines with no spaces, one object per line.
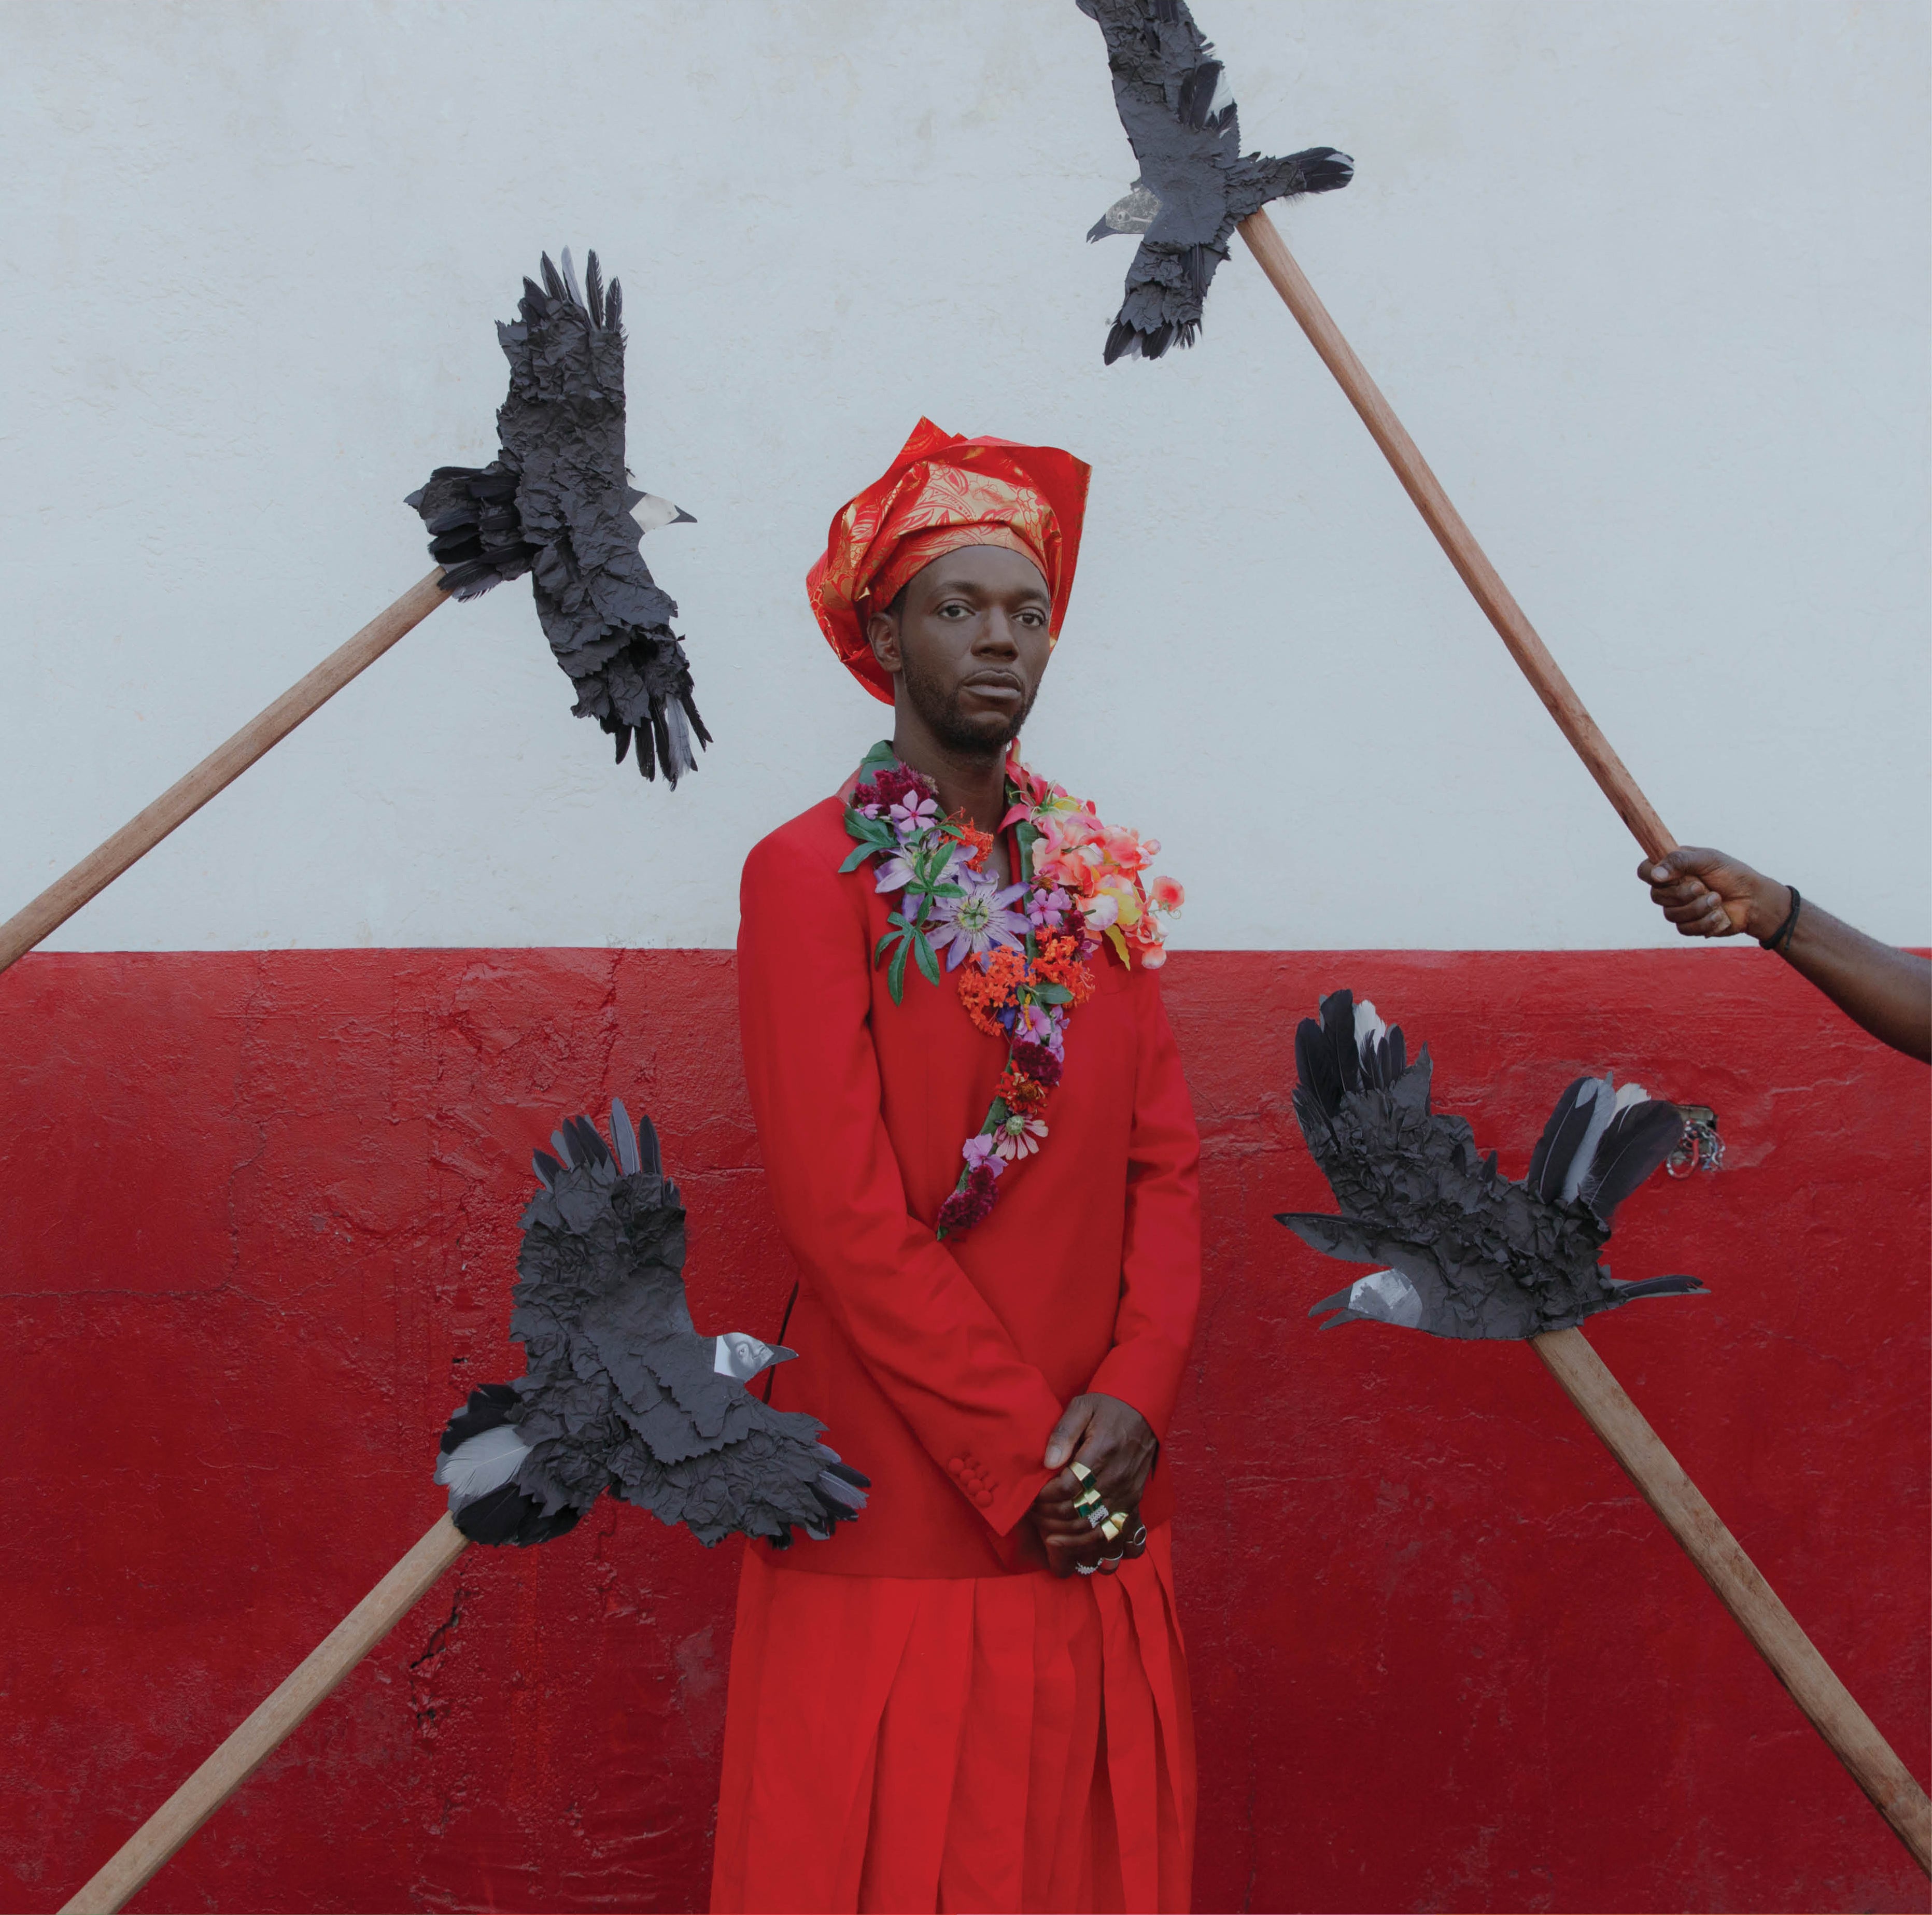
{"x":1111,"y":1441}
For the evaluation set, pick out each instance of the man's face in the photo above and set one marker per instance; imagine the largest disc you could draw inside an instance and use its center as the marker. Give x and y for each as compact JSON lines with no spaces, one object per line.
{"x":969,"y":646}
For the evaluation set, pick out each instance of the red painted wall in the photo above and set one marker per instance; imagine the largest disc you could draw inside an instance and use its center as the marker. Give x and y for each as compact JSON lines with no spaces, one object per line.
{"x":258,"y":1218}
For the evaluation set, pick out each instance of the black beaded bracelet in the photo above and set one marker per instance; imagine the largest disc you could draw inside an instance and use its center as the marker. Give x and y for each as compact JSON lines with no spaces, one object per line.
{"x":1779,"y":940}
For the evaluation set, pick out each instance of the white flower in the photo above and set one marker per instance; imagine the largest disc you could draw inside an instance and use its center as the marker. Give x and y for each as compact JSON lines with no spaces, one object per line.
{"x":1019,"y":1136}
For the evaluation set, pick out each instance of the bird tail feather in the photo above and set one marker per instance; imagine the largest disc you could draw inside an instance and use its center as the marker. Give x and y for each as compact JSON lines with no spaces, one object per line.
{"x":1655,"y":1287}
{"x":1636,"y":1140}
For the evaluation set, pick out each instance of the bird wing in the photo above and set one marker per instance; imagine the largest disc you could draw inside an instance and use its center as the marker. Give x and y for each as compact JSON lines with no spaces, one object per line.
{"x":562,"y":429}
{"x":563,"y":424}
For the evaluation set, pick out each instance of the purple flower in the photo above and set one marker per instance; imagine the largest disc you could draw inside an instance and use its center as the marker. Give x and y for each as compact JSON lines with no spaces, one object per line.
{"x":892,"y":872}
{"x":1036,"y":1061}
{"x":976,"y":921}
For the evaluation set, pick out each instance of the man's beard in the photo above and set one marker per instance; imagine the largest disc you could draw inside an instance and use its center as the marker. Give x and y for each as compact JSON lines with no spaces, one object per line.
{"x":950,"y":726}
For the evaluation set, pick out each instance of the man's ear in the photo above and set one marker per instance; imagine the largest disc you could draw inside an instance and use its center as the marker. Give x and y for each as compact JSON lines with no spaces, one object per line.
{"x":882,"y":634}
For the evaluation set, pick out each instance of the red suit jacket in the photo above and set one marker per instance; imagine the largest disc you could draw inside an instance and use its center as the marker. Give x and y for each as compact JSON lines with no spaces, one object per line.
{"x":939,"y":1369}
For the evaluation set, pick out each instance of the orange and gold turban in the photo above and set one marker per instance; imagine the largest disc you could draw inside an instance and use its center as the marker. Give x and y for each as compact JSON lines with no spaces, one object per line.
{"x":943,"y":492}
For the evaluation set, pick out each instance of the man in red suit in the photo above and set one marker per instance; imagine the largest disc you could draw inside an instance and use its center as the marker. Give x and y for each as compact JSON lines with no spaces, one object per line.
{"x":982,"y":1154}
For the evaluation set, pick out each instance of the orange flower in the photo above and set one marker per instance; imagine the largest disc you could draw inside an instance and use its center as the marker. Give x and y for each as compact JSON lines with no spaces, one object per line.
{"x":988,"y":984}
{"x":1057,"y":964}
{"x":978,"y":844}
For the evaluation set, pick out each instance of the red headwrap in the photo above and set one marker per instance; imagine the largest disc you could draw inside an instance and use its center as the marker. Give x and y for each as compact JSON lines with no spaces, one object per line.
{"x":943,"y":492}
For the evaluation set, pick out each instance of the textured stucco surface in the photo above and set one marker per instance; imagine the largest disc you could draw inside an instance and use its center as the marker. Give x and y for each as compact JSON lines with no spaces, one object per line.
{"x":258,"y":1213}
{"x":1647,"y":282}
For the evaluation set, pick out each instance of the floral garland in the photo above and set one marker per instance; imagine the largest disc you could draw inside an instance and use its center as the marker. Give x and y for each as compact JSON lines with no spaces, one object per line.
{"x":1022,"y":949}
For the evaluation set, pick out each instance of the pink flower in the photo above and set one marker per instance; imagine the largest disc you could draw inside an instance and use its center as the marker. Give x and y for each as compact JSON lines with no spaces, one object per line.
{"x":1044,"y":908}
{"x":914,"y":813}
{"x":980,"y":1154}
{"x":1165,"y":894}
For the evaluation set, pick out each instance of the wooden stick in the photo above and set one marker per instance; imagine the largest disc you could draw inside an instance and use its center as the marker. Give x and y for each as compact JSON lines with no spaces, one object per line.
{"x":1421,"y":485}
{"x":1827,"y":1704}
{"x":237,"y":1758}
{"x":181,"y":801}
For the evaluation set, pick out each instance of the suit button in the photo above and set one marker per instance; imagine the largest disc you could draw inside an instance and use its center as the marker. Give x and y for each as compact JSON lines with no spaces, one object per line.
{"x":954,"y":1464}
{"x":983,"y":1498}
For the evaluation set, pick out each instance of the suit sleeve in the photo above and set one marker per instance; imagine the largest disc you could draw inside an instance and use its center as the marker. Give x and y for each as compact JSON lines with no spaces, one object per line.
{"x":929,"y":1339}
{"x":1160,"y":1271}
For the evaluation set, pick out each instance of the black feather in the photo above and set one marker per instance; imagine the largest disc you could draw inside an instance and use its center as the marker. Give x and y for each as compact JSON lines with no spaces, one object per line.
{"x":624,"y":1136}
{"x":1550,"y":1162}
{"x":1317,"y":1067}
{"x":592,"y":1149}
{"x":1338,"y":1029}
{"x":505,"y":1515}
{"x":648,"y":1152}
{"x":1660,"y":1286}
{"x":488,"y":1408}
{"x":593,"y":286}
{"x":1639,"y":1138}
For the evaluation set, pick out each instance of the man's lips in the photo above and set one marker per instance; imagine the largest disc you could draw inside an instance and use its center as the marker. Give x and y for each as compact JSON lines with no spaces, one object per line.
{"x":995,"y":685}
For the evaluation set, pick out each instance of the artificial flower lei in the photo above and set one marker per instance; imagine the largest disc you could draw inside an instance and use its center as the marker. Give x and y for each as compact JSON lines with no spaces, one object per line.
{"x":1021,"y":950}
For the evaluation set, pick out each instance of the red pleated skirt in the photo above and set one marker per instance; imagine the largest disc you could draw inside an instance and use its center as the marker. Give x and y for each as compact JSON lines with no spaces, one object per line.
{"x":1012,"y":1743}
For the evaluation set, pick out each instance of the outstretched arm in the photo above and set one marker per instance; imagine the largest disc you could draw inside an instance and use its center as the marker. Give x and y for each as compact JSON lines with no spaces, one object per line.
{"x":1710,"y":894}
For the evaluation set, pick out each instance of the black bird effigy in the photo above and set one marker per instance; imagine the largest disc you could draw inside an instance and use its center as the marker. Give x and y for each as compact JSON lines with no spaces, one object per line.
{"x":1471,"y":1253}
{"x":1195,"y":184}
{"x":1195,"y":188}
{"x":557,"y":503}
{"x":620,"y":1392}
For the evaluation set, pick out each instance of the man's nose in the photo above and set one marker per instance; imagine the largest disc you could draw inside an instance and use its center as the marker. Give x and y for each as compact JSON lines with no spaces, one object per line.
{"x":998,"y":633}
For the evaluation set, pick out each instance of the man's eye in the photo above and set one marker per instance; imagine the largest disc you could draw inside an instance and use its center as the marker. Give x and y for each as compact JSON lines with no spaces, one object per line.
{"x":954,"y":611}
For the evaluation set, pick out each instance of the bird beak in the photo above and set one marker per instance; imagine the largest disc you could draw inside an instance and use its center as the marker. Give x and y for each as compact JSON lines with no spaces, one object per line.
{"x":650,"y":512}
{"x":742,"y":1357}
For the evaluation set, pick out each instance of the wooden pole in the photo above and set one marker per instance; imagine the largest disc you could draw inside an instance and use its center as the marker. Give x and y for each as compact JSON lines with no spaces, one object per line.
{"x":182,"y":800}
{"x":1422,"y":485}
{"x":1827,"y":1704}
{"x":244,"y":1752}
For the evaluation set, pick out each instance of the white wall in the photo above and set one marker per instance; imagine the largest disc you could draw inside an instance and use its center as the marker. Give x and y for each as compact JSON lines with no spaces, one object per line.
{"x":1647,"y":282}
